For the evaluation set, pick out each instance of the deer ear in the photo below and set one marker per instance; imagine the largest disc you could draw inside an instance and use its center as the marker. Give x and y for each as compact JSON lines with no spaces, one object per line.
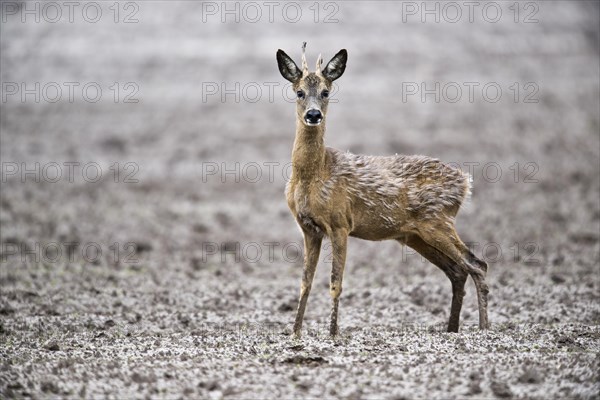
{"x":336,"y":67}
{"x":288,"y":67}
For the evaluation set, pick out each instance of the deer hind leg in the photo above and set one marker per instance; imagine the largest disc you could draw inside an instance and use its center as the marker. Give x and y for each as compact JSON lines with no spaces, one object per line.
{"x":478,"y":274}
{"x":339,"y":240}
{"x":444,"y":238}
{"x":456,"y":274}
{"x":312,"y":249}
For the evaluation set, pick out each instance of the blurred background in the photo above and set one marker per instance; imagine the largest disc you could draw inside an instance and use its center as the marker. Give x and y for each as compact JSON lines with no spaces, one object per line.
{"x":145,"y":147}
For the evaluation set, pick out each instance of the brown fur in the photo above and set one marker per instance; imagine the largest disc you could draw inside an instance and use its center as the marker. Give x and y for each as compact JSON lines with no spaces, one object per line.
{"x":411,"y":199}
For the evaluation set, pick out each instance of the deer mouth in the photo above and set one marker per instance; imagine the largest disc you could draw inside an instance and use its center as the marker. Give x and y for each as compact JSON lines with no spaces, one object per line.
{"x":311,"y":123}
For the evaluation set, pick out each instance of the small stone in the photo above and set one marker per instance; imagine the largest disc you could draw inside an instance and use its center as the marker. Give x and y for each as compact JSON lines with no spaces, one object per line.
{"x":52,"y":345}
{"x":475,"y":376}
{"x":139,"y":378}
{"x":564,"y":341}
{"x":305,"y":360}
{"x":474,"y":388}
{"x":48,"y":386}
{"x":109,"y":323}
{"x":209,"y":385}
{"x":531,"y":376}
{"x":501,"y":389}
{"x":142,"y":246}
{"x":200,"y":228}
{"x":285,"y":307}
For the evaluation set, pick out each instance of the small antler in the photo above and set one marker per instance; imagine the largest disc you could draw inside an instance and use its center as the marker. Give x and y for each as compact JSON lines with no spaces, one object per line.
{"x":304,"y":63}
{"x":319,"y":62}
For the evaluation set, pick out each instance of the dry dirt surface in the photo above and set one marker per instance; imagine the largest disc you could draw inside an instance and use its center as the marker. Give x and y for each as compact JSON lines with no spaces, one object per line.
{"x":147,"y":249}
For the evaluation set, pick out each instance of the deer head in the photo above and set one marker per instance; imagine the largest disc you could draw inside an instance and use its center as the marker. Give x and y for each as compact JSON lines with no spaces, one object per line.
{"x":312,"y":88}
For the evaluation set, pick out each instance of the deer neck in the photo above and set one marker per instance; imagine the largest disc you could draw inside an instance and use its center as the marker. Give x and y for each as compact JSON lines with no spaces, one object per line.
{"x":308,"y":156}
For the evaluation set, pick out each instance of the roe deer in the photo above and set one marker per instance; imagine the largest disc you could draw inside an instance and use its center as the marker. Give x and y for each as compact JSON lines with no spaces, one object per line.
{"x":410,"y":199}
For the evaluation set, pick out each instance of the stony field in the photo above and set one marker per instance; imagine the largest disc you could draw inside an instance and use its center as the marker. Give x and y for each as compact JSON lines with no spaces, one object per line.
{"x":147,"y":248}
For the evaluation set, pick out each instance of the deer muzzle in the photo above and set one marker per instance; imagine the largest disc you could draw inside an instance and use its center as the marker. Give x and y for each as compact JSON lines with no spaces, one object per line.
{"x":313,"y":117}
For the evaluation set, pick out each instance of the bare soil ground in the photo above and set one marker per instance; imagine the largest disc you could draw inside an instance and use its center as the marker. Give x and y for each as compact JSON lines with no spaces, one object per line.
{"x":202,"y":305}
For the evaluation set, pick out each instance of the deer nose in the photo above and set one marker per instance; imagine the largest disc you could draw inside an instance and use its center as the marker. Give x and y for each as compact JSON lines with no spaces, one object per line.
{"x":313,"y":116}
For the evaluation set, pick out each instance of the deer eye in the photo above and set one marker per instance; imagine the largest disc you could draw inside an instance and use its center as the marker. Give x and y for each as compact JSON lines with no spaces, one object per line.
{"x":325,"y":93}
{"x":300,"y":94}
